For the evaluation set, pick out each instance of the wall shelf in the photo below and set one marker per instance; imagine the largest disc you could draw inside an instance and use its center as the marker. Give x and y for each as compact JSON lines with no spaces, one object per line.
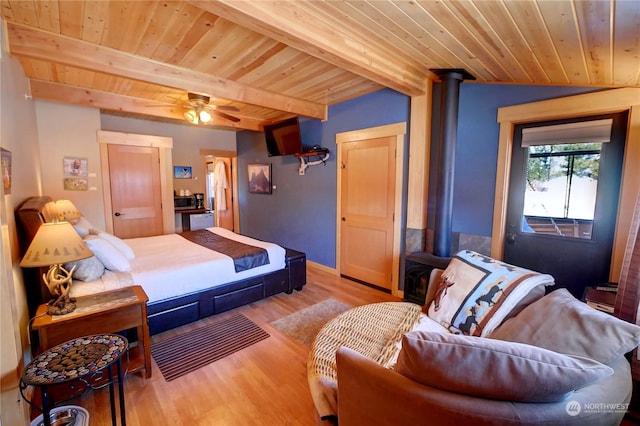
{"x":305,"y":159}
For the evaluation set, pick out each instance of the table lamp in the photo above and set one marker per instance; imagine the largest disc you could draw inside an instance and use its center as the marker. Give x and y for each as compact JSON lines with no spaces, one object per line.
{"x":54,"y":244}
{"x":67,"y":211}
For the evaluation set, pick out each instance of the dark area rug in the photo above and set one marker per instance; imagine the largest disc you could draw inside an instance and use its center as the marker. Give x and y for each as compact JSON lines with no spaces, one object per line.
{"x":304,"y":324}
{"x":187,"y":352}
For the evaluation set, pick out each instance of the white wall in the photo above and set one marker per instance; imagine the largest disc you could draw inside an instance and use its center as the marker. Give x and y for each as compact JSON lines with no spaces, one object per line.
{"x":71,"y":131}
{"x":18,"y":134}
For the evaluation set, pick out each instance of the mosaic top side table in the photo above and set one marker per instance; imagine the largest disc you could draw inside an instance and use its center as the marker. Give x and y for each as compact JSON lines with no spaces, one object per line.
{"x":88,"y":360}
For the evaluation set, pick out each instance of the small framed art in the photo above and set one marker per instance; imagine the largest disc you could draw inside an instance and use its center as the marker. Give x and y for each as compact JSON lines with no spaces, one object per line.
{"x":6,"y":170}
{"x":182,"y":172}
{"x":75,"y":172}
{"x":259,"y":178}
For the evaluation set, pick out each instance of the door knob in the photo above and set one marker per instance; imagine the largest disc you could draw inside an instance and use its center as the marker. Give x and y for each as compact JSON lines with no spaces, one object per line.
{"x":344,"y":219}
{"x":118,"y":214}
{"x":511,"y":238}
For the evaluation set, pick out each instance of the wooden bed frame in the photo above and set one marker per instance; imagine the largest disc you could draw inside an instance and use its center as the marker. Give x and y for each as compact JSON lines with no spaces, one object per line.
{"x":170,"y":313}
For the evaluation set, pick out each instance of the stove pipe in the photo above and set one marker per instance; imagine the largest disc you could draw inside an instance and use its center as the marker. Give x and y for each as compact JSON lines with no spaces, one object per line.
{"x":445,"y":169}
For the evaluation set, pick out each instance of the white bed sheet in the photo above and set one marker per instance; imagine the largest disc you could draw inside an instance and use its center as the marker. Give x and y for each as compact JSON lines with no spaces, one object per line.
{"x":169,"y":265}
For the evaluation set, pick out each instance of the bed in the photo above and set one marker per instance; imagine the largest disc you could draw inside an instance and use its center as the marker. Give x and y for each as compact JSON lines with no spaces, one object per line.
{"x":184,"y":280}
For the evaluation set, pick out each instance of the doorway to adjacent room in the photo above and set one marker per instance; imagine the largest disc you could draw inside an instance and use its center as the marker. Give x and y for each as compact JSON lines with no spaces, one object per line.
{"x":221,"y":186}
{"x":585,"y":105}
{"x":563,"y":198}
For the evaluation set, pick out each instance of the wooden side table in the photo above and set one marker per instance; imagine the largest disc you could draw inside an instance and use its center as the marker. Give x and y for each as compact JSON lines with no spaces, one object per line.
{"x":107,"y":312}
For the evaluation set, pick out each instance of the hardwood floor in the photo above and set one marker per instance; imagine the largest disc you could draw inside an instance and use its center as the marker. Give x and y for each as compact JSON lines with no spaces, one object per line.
{"x":265,"y":384}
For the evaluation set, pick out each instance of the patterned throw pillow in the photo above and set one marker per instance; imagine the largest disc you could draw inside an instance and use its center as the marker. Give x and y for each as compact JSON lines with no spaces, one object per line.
{"x":86,"y":269}
{"x":476,"y":293}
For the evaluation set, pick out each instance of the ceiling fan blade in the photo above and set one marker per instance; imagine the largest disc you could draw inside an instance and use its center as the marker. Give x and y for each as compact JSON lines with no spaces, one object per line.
{"x":227,"y":116}
{"x":227,"y":108}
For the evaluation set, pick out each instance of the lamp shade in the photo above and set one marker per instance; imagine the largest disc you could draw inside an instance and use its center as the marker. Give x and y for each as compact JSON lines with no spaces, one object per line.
{"x":67,"y":211}
{"x":55,"y":243}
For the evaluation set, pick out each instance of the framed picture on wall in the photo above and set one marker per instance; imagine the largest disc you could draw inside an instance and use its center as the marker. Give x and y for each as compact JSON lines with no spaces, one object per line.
{"x":76,"y":184}
{"x":6,"y":170}
{"x":75,"y":172}
{"x":259,"y":178}
{"x":182,"y":172}
{"x":75,"y":167}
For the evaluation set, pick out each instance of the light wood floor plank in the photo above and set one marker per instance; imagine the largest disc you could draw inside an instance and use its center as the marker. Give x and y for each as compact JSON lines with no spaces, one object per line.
{"x":264,"y":384}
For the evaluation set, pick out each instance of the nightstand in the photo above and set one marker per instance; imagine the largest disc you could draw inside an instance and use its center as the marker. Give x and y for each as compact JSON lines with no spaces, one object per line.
{"x":108,"y":312}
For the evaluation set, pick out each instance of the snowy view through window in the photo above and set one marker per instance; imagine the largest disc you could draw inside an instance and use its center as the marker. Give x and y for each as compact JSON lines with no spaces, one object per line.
{"x":561,"y":187}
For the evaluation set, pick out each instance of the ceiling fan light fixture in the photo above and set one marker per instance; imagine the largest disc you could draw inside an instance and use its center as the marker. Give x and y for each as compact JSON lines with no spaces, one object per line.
{"x":191,"y":116}
{"x":199,"y":111}
{"x":204,"y":115}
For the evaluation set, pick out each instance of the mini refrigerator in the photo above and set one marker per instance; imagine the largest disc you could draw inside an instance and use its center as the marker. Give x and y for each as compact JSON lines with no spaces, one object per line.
{"x":200,"y":221}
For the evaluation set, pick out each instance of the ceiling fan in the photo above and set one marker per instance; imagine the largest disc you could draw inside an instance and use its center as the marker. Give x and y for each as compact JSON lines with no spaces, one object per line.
{"x":199,"y":110}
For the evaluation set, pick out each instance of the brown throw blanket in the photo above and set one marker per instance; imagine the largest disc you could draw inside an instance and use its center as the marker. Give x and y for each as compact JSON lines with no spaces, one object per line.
{"x":244,"y":256}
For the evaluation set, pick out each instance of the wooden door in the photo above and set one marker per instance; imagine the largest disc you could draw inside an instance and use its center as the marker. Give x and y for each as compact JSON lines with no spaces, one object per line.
{"x":368,"y":188}
{"x":136,"y":198}
{"x":223,"y":190}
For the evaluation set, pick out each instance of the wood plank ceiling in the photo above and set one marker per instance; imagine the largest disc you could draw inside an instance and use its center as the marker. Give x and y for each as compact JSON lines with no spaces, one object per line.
{"x":269,"y":60}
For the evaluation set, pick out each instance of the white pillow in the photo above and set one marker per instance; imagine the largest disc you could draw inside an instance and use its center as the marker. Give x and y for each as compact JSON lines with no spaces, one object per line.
{"x":83,"y":227}
{"x":108,"y":254}
{"x":119,"y":244}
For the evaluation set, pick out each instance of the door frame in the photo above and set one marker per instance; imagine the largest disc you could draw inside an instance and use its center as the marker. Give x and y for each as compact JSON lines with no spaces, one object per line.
{"x":615,"y":100}
{"x":164,"y":145}
{"x":390,"y":130}
{"x":204,"y":152}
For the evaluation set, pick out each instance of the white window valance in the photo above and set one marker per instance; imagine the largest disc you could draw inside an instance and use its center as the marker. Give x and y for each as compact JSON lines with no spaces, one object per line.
{"x":580,"y":132}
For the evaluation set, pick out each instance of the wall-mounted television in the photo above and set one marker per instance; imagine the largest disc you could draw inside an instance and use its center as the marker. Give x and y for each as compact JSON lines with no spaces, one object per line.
{"x":283,"y":137}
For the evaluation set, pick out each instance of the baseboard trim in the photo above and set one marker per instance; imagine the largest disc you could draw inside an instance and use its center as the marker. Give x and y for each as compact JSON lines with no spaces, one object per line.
{"x":323,"y":268}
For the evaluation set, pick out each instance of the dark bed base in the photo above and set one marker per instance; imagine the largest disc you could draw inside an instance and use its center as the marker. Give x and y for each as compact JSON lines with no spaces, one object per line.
{"x":170,"y":313}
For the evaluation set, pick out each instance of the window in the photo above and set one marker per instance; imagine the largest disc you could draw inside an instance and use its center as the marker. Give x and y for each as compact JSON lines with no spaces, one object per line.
{"x":561,"y":188}
{"x":563,"y":162}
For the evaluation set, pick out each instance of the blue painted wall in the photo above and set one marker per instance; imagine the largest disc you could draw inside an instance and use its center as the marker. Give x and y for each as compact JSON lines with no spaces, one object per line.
{"x":301,"y":211}
{"x":477,"y":147}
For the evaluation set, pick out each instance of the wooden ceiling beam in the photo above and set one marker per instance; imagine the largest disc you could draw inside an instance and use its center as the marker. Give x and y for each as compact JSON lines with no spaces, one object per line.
{"x":291,"y":24}
{"x":43,"y":45}
{"x":58,"y":92}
